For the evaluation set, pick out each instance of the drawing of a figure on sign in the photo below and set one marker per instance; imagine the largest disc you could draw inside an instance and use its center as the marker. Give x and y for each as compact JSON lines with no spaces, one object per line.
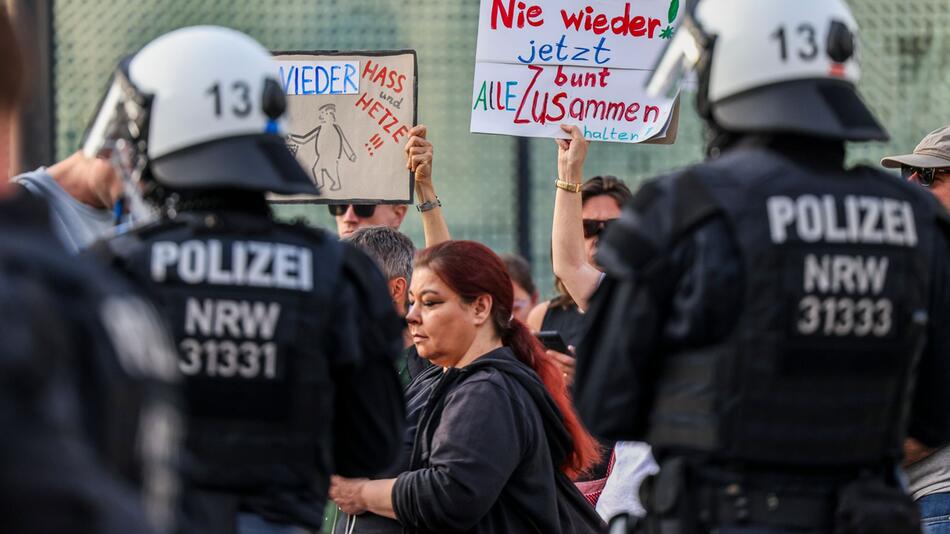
{"x":330,"y":145}
{"x":348,"y":119}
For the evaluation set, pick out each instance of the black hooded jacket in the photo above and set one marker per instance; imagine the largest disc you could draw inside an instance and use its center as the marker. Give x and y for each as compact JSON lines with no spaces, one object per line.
{"x":486,"y":457}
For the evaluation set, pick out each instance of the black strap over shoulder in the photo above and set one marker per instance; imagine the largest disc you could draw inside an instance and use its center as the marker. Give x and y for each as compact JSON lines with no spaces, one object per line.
{"x":108,"y":251}
{"x":693,"y":203}
{"x":660,"y":214}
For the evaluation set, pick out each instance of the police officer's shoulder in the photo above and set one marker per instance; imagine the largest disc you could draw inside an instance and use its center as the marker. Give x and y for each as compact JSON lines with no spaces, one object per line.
{"x":923,"y":198}
{"x":898,"y":185}
{"x":363,"y":273}
{"x":661,"y":212}
{"x":359,"y":266}
{"x":305,"y":230}
{"x":126,"y":245}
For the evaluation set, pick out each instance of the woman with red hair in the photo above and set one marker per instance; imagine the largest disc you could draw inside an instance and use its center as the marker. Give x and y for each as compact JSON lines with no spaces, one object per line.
{"x":498,"y":440}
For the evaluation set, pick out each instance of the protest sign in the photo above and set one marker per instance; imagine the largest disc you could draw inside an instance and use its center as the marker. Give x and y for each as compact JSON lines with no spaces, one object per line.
{"x":348,"y":119}
{"x":544,"y":63}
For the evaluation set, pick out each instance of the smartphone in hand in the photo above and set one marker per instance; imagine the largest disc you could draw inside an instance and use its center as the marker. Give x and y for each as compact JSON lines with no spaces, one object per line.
{"x":552,"y":340}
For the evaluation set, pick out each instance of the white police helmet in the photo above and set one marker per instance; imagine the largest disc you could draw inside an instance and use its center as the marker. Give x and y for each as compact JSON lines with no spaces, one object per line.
{"x":765,"y":66}
{"x":199,"y":108}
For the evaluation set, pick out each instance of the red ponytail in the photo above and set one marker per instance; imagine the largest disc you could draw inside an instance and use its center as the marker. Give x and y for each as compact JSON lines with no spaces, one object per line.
{"x":452,"y":261}
{"x":587,"y":452}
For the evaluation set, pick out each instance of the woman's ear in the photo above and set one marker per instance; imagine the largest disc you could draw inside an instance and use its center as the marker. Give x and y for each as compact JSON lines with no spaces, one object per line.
{"x":482,"y":307}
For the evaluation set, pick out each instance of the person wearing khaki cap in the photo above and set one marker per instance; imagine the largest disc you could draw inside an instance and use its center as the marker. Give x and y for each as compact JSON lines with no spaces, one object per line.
{"x":929,"y":165}
{"x":927,"y":468}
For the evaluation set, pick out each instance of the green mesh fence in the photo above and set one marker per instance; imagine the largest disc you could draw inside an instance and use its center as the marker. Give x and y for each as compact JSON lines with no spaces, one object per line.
{"x":906,"y":80}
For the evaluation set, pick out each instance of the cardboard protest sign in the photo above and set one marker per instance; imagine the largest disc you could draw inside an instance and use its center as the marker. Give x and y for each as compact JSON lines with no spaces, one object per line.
{"x":348,"y":119}
{"x":544,"y":63}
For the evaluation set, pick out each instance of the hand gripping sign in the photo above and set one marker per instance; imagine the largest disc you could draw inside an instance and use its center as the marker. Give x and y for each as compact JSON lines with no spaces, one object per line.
{"x":543,"y":63}
{"x":349,"y":114}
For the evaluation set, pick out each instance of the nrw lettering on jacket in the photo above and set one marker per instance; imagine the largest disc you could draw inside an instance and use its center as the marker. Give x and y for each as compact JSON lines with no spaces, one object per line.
{"x":247,"y":263}
{"x":851,"y":219}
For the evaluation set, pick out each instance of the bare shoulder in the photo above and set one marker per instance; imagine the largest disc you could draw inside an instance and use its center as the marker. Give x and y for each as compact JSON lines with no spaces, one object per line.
{"x":536,"y":316}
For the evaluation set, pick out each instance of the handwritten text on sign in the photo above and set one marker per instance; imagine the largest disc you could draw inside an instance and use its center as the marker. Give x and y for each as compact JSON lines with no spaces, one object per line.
{"x":561,"y":61}
{"x":320,"y":77}
{"x":348,"y":118}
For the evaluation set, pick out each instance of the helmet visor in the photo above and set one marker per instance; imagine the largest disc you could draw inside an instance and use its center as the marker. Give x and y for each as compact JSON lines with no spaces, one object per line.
{"x":101,"y":133}
{"x":122,"y":115}
{"x":675,"y":67}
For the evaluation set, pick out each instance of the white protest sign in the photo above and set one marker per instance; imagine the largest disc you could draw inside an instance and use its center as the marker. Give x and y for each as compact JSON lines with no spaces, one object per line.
{"x":543,"y":63}
{"x":348,"y":119}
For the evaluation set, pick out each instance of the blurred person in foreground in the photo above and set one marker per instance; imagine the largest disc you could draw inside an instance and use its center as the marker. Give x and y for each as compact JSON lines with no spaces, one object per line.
{"x":88,"y":409}
{"x":497,"y":438}
{"x":287,"y":337}
{"x":83,"y":194}
{"x":928,"y":468}
{"x":525,"y":292}
{"x":419,"y":156}
{"x":772,"y":323}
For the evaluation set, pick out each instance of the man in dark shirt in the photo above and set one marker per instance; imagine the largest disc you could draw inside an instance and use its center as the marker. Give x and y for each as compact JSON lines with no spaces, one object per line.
{"x":393,"y":252}
{"x":773,"y":323}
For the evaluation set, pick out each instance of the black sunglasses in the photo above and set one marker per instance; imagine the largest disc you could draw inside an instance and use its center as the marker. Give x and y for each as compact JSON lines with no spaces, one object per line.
{"x":594,"y":227}
{"x":925,"y":176}
{"x":361,"y":210}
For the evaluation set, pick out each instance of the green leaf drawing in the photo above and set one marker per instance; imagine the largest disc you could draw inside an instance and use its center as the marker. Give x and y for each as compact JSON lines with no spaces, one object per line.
{"x":674,"y":10}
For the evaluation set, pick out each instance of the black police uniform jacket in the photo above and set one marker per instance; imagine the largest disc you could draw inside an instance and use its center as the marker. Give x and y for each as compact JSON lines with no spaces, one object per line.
{"x":770,"y":307}
{"x":88,"y":393}
{"x":486,"y":456}
{"x":287,"y":341}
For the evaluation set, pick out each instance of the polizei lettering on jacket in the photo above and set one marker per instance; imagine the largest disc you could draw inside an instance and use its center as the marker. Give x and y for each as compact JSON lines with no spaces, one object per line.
{"x":244,"y":263}
{"x":843,"y":295}
{"x":230,"y":339}
{"x":851,"y":219}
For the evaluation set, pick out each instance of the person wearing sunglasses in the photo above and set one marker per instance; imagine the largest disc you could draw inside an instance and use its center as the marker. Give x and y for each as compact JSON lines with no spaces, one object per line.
{"x":927,"y":467}
{"x":928,"y":165}
{"x":419,"y":153}
{"x":582,"y":212}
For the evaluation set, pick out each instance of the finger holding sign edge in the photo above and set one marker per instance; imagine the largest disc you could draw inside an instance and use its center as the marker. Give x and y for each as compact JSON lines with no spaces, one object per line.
{"x":417,"y":138}
{"x":417,"y":135}
{"x":416,"y":142}
{"x":573,"y":131}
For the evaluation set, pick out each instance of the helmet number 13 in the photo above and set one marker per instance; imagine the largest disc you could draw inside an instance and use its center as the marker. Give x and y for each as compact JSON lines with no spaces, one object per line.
{"x":808,"y":45}
{"x":241,"y":95}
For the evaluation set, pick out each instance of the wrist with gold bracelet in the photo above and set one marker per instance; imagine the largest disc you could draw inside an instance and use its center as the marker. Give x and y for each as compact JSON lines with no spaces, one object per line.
{"x":570,"y":187}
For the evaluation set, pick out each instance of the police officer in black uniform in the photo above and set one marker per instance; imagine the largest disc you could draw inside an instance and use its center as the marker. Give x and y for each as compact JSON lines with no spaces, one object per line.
{"x":88,"y":381}
{"x":772,"y":323}
{"x":89,"y":386}
{"x":286,"y":337}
